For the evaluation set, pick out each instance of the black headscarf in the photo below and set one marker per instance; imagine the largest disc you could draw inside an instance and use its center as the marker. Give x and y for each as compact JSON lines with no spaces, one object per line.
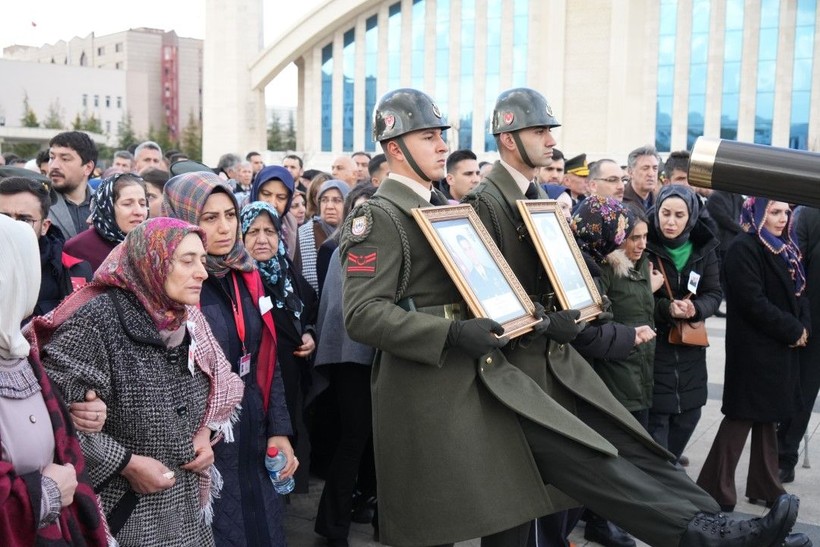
{"x":692,"y":204}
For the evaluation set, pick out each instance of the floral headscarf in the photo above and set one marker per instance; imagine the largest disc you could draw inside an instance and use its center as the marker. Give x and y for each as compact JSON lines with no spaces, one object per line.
{"x":141,"y":265}
{"x":184,"y":198}
{"x":275,"y":270}
{"x":752,"y":218}
{"x":600,"y":225}
{"x":103,"y":215}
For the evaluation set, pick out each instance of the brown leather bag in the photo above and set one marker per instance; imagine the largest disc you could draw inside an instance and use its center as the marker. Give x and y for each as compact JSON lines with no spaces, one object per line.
{"x":683,"y":332}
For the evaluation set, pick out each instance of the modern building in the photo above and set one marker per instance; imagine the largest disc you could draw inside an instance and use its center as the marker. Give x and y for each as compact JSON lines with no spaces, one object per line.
{"x":162,"y":74}
{"x":618,"y":74}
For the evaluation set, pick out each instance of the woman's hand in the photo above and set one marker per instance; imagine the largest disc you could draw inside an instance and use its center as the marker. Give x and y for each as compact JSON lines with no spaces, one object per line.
{"x":147,"y":475}
{"x":282,"y":443}
{"x":89,"y":416}
{"x":643,"y":334}
{"x":66,"y":478}
{"x":204,"y":454}
{"x":307,"y":347}
{"x":682,"y":309}
{"x":801,"y":342}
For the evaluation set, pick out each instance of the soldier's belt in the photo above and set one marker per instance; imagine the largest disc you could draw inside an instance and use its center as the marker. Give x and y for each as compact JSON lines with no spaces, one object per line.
{"x":454,"y":312}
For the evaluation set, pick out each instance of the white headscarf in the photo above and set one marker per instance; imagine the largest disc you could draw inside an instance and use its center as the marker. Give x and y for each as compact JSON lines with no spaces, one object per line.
{"x":19,"y":284}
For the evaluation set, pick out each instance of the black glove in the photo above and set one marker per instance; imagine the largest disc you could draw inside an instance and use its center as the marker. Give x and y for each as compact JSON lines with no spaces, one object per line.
{"x":543,"y":326}
{"x":476,"y":336}
{"x":606,"y":314}
{"x":563,"y":327}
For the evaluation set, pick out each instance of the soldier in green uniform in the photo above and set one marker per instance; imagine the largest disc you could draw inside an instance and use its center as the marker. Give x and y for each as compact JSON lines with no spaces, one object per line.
{"x":453,"y":420}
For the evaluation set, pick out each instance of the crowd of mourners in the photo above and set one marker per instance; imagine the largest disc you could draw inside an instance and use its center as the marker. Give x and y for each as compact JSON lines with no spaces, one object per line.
{"x":165,"y":323}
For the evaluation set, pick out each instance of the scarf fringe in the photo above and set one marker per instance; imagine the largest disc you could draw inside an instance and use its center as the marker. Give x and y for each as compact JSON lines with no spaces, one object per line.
{"x":226,"y":428}
{"x":207,"y":511}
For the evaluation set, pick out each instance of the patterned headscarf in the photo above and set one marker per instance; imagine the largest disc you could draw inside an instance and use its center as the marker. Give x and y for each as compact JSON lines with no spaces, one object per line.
{"x":19,"y":284}
{"x":600,"y":225}
{"x":692,"y":204}
{"x":141,"y":265}
{"x":752,"y":218}
{"x":102,"y":208}
{"x":184,"y":198}
{"x":275,"y":270}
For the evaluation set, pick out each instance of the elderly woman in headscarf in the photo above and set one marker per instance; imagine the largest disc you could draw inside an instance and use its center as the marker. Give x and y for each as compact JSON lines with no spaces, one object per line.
{"x":274,"y":185}
{"x":117,"y":207}
{"x":233,"y":302}
{"x":767,"y":322}
{"x":683,"y":248}
{"x":46,"y":496}
{"x":136,"y":337}
{"x":294,"y":316}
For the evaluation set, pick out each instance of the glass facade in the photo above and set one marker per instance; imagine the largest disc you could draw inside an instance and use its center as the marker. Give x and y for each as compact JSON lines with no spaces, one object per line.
{"x":801,"y":76}
{"x":442,"y":87}
{"x":666,"y":74}
{"x":349,"y":68}
{"x":732,"y":55}
{"x":394,"y":46}
{"x":371,"y":67}
{"x":327,"y":97}
{"x":521,"y":25}
{"x":493,"y":70}
{"x":417,"y":48}
{"x":766,"y":70}
{"x":466,"y":77}
{"x":699,"y":57}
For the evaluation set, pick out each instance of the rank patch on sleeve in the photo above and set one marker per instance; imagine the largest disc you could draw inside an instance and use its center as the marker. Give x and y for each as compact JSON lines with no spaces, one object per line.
{"x":362,"y":262}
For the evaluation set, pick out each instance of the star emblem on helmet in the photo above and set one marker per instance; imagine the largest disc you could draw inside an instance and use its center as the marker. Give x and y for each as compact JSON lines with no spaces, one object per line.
{"x":389,"y":121}
{"x":436,"y":111}
{"x":508,"y":118}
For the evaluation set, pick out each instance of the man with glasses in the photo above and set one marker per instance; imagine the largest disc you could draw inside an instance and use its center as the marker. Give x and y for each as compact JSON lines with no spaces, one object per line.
{"x":607,"y":179}
{"x":28,"y":201}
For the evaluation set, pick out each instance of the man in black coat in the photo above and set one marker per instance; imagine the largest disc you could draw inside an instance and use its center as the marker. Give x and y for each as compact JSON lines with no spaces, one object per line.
{"x":28,"y":201}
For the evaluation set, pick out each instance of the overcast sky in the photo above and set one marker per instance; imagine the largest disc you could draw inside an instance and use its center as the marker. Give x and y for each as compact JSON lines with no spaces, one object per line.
{"x":38,"y":22}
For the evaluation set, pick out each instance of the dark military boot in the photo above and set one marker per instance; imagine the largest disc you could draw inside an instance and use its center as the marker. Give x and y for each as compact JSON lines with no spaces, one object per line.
{"x":713,"y":530}
{"x":797,"y":540}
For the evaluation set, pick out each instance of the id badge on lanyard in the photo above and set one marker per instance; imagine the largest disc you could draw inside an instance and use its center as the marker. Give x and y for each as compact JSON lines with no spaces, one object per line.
{"x":239,"y":319}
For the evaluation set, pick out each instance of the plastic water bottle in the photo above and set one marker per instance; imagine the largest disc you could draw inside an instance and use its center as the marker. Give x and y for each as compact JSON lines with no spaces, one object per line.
{"x":275,"y":461}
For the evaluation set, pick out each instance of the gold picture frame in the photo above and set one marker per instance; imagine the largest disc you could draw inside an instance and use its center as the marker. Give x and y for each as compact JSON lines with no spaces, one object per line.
{"x":476,"y":266}
{"x":561,"y":257}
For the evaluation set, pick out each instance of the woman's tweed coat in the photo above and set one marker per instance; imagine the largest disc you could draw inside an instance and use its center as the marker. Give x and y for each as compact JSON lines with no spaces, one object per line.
{"x":155,"y":405}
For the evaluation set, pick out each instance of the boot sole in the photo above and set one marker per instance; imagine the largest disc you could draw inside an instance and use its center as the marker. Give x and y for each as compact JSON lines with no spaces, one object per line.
{"x":788,"y":522}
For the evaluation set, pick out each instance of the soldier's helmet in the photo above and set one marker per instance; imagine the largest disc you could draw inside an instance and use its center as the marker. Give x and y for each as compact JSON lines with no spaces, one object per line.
{"x":404,"y":110}
{"x":520,"y":108}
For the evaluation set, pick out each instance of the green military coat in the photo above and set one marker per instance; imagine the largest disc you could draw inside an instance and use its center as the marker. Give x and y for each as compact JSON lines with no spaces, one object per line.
{"x":567,"y":375}
{"x":452,"y":462}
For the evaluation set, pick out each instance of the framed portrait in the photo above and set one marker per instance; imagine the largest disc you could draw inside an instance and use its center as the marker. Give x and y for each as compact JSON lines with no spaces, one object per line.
{"x":561,"y":257}
{"x":477,"y":267}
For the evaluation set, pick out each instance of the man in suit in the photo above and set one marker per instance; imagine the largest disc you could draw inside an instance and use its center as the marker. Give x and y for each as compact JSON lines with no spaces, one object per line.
{"x":446,"y":400}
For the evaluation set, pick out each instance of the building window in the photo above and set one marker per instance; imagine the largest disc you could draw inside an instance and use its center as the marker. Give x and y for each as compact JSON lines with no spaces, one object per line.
{"x":467,"y":76}
{"x":521,"y":23}
{"x":371,"y":68}
{"x":699,"y":57}
{"x":118,"y":65}
{"x":732,"y":55}
{"x":666,"y":75}
{"x":85,"y":99}
{"x":442,"y":53}
{"x":118,"y":47}
{"x":493,"y":68}
{"x":96,"y":101}
{"x":108,"y":127}
{"x":119,"y":102}
{"x":417,"y":60}
{"x":394,"y":45}
{"x":349,"y":76}
{"x":327,"y":97}
{"x":108,"y":101}
{"x":101,"y":50}
{"x":801,"y":77}
{"x":766,"y":70}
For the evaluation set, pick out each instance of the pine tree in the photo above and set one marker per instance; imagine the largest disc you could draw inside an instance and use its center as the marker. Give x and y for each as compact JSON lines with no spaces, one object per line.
{"x":54,"y":117}
{"x":29,"y":118}
{"x":275,"y":136}
{"x":191,"y":144}
{"x":125,"y":133}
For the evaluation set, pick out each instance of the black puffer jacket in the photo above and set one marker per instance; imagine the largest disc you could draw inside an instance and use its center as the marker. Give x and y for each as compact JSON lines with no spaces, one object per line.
{"x":680,"y":371}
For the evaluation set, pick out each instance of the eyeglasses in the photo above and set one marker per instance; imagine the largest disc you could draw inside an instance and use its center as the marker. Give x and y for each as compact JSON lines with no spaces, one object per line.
{"x":614,"y":180}
{"x":23,"y":218}
{"x":335,"y":201}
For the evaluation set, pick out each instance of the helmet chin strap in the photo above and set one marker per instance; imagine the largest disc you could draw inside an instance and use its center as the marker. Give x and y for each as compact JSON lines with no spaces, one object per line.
{"x":521,"y":150}
{"x":410,"y":161}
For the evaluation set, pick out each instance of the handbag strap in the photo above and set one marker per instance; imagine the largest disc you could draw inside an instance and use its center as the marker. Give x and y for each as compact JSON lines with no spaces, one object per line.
{"x":665,"y":280}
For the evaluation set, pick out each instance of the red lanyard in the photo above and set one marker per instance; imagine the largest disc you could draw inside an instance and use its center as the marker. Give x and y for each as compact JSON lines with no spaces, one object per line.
{"x":238,"y":314}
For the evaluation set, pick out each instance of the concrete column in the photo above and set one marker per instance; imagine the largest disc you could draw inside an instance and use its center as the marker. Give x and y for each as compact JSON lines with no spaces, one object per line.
{"x":233,"y":117}
{"x":782,"y":116}
{"x":714,"y":75}
{"x":748,"y":72}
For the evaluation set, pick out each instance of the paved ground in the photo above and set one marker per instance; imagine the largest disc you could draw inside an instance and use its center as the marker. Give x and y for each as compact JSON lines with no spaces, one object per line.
{"x":302,"y":509}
